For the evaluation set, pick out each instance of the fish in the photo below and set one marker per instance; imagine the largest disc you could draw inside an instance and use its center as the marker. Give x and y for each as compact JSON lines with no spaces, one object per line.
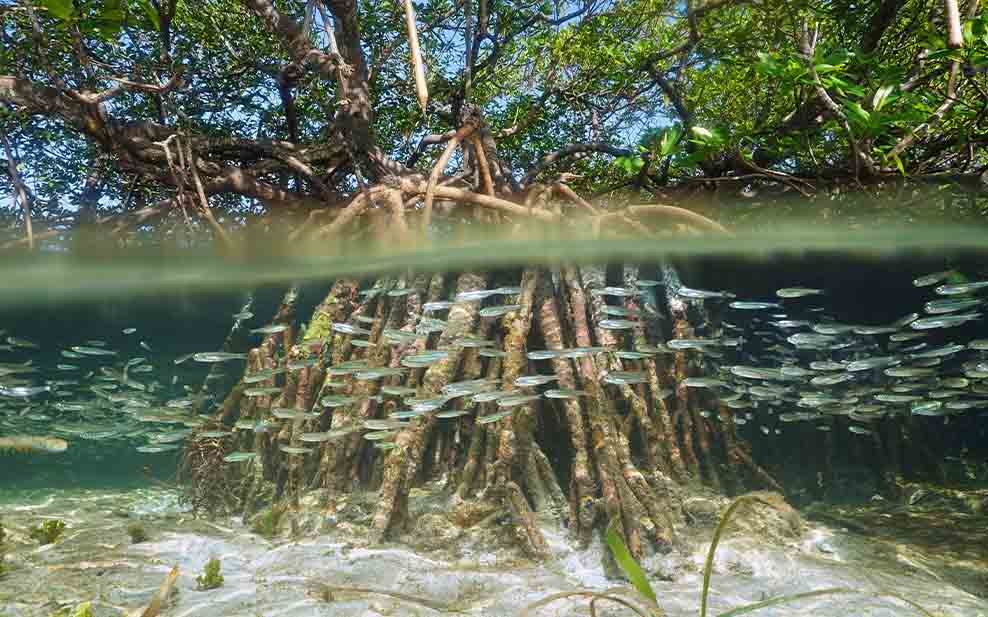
{"x":961,"y":288}
{"x":753,"y":306}
{"x":129,"y":330}
{"x":474,"y":296}
{"x":563,"y":393}
{"x":625,"y":377}
{"x":218,"y":356}
{"x":617,"y":311}
{"x":950,"y":305}
{"x":494,"y":417}
{"x":92,"y":351}
{"x":442,"y":305}
{"x":617,"y":292}
{"x":544,"y":354}
{"x":158,"y":448}
{"x":23,"y":391}
{"x":33,"y":443}
{"x":22,"y":343}
{"x":252,"y":392}
{"x":932,"y":279}
{"x":632,"y":355}
{"x":534,"y":380}
{"x":617,"y":324}
{"x":797,"y":292}
{"x":703,"y":382}
{"x":239,"y":457}
{"x":702,"y":294}
{"x":499,"y":311}
{"x":270,"y":329}
{"x":514,"y":400}
{"x":424,"y":359}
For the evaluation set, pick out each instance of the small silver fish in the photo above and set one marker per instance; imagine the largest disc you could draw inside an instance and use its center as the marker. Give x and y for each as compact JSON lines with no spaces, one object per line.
{"x":271,"y":329}
{"x":797,"y":292}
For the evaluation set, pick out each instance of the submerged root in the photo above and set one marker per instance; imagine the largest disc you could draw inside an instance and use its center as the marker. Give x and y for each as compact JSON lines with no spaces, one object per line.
{"x":614,"y":447}
{"x":326,"y":593}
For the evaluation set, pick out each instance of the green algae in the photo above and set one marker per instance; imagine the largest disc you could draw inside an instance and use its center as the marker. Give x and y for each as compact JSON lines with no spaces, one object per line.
{"x":210,"y":577}
{"x":48,"y":532}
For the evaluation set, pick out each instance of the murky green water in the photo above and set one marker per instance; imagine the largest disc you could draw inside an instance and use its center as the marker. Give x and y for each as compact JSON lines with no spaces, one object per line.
{"x":99,"y":355}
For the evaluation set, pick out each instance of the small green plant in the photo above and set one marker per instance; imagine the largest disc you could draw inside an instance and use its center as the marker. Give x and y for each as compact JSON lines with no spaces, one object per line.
{"x":137,"y":533}
{"x":266,"y":524}
{"x":210,"y":577}
{"x":48,"y":532}
{"x":3,"y":566}
{"x":646,"y":594}
{"x":83,"y":610}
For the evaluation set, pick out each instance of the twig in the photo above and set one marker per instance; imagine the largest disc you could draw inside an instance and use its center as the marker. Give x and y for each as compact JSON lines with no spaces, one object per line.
{"x":941,"y":111}
{"x":437,"y":170}
{"x":485,"y":170}
{"x":327,"y":592}
{"x":357,"y":206}
{"x":126,"y":84}
{"x":955,"y":38}
{"x":206,"y":211}
{"x":421,"y":88}
{"x":409,"y":185}
{"x":675,"y":213}
{"x":569,"y":150}
{"x":586,"y":594}
{"x":808,"y":49}
{"x":397,"y":206}
{"x":571,"y":195}
{"x":19,"y":188}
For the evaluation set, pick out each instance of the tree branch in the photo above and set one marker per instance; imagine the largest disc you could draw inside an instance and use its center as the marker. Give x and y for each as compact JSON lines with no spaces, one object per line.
{"x":19,"y":188}
{"x":570,"y":150}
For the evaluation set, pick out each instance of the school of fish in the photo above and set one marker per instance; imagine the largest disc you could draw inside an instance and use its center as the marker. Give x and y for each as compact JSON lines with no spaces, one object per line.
{"x":772,"y":361}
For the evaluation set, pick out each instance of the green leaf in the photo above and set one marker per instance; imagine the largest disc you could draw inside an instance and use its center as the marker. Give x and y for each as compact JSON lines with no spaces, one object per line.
{"x":630,"y":164}
{"x":881,"y":97}
{"x":857,"y":112}
{"x":670,"y":141}
{"x":628,"y":564}
{"x":151,"y":12}
{"x":62,"y":9}
{"x":825,"y":68}
{"x":898,"y":163}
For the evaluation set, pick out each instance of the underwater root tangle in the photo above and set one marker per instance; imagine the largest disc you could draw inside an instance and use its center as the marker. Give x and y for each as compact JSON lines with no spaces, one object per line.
{"x":605,"y":447}
{"x":430,"y":376}
{"x":211,"y":486}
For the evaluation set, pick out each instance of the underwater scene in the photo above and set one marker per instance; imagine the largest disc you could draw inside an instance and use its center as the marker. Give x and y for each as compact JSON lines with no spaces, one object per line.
{"x":723,"y":432}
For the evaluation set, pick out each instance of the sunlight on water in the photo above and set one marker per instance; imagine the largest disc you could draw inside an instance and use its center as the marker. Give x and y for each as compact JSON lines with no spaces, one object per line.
{"x":96,"y":271}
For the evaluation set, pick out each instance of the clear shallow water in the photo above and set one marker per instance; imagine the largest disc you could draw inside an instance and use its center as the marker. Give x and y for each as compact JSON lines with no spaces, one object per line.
{"x":102,"y":477}
{"x":95,"y":561}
